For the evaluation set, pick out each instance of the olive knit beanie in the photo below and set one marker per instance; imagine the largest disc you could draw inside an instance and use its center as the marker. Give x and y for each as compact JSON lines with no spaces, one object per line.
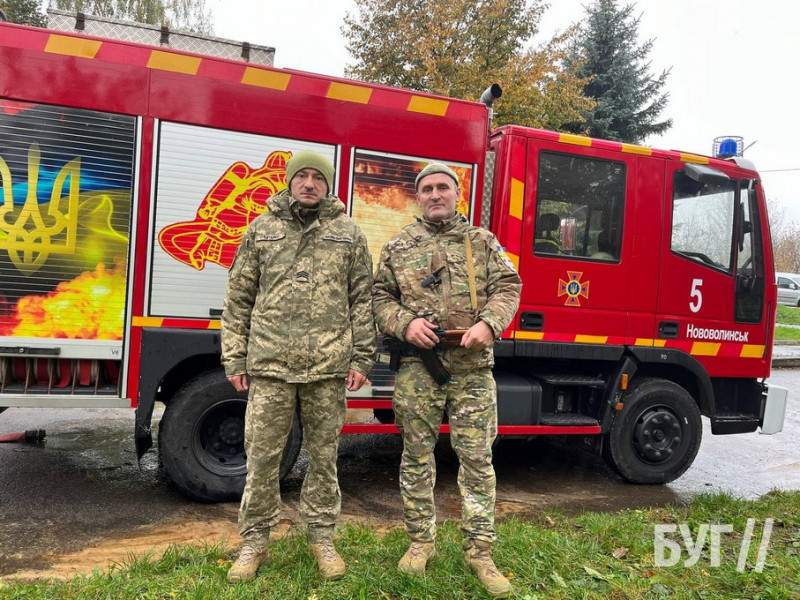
{"x":308,"y":159}
{"x":435,"y":167}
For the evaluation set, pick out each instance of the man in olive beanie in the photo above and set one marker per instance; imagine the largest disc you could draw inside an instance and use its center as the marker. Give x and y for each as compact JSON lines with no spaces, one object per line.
{"x":297,"y":330}
{"x":308,"y":159}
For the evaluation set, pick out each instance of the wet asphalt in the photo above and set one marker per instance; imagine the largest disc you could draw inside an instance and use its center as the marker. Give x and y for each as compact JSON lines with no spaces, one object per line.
{"x":84,"y":487}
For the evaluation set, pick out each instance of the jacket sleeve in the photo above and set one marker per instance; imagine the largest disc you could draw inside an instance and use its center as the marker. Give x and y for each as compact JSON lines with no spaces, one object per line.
{"x":237,"y":309}
{"x":360,"y":299}
{"x":390,"y":315}
{"x":503,"y":288}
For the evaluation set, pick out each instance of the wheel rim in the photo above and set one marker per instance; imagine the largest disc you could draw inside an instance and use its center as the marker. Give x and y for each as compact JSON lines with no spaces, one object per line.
{"x":657,"y":435}
{"x":218,"y":440}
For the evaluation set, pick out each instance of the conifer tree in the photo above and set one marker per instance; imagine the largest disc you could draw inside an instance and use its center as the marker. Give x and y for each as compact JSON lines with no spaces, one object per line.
{"x":629,"y":98}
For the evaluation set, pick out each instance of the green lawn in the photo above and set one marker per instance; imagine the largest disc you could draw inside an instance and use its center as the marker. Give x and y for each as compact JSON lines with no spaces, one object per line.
{"x":553,"y":555}
{"x":788,"y":315}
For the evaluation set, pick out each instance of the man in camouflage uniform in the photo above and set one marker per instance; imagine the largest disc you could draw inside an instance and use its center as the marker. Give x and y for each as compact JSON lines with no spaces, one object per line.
{"x":442,"y":272}
{"x":297,"y":328}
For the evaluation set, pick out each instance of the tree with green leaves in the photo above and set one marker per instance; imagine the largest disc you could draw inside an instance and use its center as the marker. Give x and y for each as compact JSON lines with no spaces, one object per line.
{"x":24,"y":12}
{"x":629,"y":99}
{"x":458,"y":48}
{"x":186,"y":15}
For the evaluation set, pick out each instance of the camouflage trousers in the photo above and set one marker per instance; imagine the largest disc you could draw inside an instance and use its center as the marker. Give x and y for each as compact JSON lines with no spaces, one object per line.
{"x":271,"y":407}
{"x":471,"y":402}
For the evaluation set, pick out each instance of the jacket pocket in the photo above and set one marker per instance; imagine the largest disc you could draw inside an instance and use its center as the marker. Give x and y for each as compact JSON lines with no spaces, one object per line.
{"x":268,"y":247}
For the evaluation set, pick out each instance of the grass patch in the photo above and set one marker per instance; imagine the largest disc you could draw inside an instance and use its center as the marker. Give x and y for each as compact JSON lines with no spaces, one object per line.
{"x":590,"y":556}
{"x":788,"y":315}
{"x":786,"y":334}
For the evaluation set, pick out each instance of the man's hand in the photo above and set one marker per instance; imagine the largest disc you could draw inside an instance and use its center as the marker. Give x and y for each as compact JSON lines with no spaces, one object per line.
{"x":420,"y":332}
{"x":478,"y":337}
{"x":239,"y":382}
{"x":355,"y":380}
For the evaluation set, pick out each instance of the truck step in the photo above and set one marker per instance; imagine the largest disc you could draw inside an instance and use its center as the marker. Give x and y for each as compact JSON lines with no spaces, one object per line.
{"x":566,"y":419}
{"x":577,"y":380}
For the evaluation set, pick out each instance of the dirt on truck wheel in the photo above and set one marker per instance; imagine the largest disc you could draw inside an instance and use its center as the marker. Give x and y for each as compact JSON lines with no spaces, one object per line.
{"x":201,"y":440}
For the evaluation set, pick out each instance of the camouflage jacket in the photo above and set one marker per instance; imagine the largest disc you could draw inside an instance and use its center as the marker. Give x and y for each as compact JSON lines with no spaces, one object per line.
{"x":298,"y":305}
{"x":419,"y":250}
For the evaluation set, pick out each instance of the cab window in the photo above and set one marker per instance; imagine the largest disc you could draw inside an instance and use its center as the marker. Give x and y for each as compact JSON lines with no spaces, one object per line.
{"x":580,"y":204}
{"x":702,"y":219}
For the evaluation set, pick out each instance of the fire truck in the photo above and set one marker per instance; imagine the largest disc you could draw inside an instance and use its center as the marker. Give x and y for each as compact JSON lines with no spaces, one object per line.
{"x":130,"y":171}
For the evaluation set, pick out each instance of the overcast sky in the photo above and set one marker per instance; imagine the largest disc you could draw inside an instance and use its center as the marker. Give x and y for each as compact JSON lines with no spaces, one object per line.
{"x":735,"y":67}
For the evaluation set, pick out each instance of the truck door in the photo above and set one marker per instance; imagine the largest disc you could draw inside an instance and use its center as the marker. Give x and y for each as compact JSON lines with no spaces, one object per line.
{"x":589,"y":247}
{"x":712,"y":282}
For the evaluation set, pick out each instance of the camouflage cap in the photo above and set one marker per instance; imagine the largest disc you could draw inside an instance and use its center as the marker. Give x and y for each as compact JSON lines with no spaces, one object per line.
{"x":436,"y":167}
{"x":308,"y":159}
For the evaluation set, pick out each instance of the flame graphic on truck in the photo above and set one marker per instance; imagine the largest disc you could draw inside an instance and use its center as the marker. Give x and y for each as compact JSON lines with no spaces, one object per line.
{"x":91,"y":306}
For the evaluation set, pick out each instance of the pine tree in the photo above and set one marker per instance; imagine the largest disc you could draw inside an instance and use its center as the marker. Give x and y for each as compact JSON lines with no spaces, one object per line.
{"x":24,"y":12}
{"x":629,"y":98}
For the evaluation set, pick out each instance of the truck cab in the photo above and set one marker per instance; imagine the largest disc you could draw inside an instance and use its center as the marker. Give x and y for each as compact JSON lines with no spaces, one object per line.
{"x":642,"y":269}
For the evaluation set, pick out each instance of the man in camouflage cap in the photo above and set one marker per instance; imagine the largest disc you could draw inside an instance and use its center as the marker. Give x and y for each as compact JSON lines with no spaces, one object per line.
{"x":297,"y":328}
{"x":442,"y":272}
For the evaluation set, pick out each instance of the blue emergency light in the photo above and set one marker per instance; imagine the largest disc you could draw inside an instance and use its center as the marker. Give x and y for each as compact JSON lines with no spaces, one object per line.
{"x":728,"y":145}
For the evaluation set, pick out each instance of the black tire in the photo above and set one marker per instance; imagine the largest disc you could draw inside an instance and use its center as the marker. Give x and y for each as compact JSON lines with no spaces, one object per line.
{"x":656,"y":435}
{"x":201,"y":440}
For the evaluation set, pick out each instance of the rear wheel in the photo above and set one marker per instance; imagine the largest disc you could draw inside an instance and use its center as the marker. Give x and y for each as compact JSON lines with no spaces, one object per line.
{"x":201,"y":440}
{"x":656,"y":435}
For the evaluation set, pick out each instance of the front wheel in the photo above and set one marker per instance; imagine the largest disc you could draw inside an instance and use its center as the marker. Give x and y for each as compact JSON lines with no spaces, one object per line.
{"x":201,"y":440}
{"x":656,"y":435}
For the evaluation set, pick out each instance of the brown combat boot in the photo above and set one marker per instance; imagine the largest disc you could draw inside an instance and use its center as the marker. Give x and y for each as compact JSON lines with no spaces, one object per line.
{"x":416,"y":558}
{"x":246,"y":566}
{"x":478,"y":559}
{"x":329,"y":562}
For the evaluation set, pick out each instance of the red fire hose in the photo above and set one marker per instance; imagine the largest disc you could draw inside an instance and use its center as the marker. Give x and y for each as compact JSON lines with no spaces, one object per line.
{"x":31,"y":436}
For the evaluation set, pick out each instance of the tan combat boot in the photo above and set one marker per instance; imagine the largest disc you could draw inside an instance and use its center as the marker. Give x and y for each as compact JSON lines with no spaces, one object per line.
{"x":479,"y":560}
{"x":246,"y":566}
{"x":416,"y":558}
{"x":329,"y":562}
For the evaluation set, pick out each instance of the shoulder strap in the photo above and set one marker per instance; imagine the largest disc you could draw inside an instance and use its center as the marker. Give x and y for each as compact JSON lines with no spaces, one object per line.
{"x":473,"y":294}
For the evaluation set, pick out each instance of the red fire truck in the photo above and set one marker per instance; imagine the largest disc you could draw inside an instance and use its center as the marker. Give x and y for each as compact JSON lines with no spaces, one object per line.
{"x":129,"y":173}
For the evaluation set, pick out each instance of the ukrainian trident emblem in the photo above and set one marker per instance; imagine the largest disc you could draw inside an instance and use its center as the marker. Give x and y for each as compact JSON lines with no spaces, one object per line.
{"x":28,"y":235}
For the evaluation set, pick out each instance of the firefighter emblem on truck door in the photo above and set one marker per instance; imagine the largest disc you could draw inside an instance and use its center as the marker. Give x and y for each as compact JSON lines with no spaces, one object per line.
{"x":238,"y":197}
{"x":573,"y":288}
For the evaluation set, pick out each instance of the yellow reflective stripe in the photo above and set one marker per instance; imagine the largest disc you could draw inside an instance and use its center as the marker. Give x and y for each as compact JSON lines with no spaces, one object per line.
{"x":71,"y":46}
{"x":705,"y":348}
{"x":643,"y":342}
{"x":214,"y":324}
{"x":265,"y":78}
{"x":177,"y":63}
{"x":528,"y":335}
{"x":349,"y":93}
{"x":591,"y":339}
{"x":514,"y":259}
{"x":579,"y":140}
{"x":686,"y":157}
{"x":517,"y":197}
{"x":634,"y":149}
{"x":752,"y":351}
{"x":147,"y":321}
{"x":431,"y":106}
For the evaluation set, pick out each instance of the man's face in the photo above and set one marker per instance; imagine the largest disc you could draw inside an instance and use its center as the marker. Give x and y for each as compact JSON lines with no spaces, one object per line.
{"x":437,"y":195}
{"x":308,"y":187}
